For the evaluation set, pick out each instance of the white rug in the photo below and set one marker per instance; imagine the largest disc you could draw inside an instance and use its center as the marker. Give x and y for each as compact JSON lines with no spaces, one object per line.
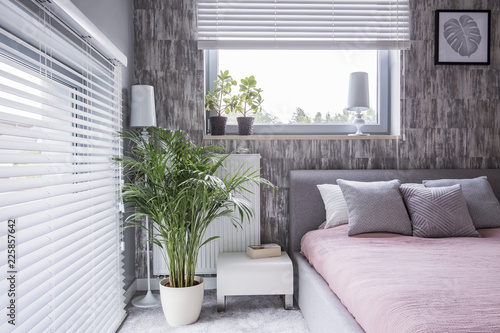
{"x":243,"y":314}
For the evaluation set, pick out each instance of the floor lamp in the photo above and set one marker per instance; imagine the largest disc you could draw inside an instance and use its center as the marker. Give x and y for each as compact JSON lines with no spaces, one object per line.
{"x":143,"y":115}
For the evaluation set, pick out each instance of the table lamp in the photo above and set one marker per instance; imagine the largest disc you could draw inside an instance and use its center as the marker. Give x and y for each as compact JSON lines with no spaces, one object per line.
{"x":358,"y":98}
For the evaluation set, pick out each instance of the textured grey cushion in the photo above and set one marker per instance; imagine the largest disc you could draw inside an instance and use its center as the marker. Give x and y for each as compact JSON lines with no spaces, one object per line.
{"x":375,"y":207}
{"x":482,"y":203}
{"x":438,"y":211}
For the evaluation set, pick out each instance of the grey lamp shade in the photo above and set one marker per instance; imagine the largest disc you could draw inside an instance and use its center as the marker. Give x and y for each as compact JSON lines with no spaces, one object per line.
{"x":142,"y":112}
{"x":358,"y":98}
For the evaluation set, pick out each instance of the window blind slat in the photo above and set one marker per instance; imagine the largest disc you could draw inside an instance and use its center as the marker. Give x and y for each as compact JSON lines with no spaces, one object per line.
{"x":80,"y":323}
{"x":92,"y":71}
{"x":43,"y":81}
{"x":104,"y":309}
{"x":85,"y":76}
{"x":38,"y":233}
{"x":62,"y":268}
{"x":44,"y":147}
{"x":39,"y":257}
{"x":65,"y":300}
{"x":45,"y":260}
{"x":35,"y":320}
{"x":25,"y":171}
{"x":8,"y":157}
{"x":303,"y":45}
{"x":61,"y":203}
{"x":52,"y":191}
{"x":35,"y":133}
{"x":50,"y":100}
{"x":288,"y":24}
{"x":46,"y":181}
{"x":70,"y":301}
{"x":43,"y":269}
{"x":95,"y":286}
{"x":38,"y":300}
{"x":44,"y":238}
{"x":39,"y":112}
{"x":74,"y":269}
{"x":105,"y":326}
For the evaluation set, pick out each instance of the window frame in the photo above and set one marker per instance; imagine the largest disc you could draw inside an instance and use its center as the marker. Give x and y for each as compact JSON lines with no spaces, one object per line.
{"x":384,"y":90}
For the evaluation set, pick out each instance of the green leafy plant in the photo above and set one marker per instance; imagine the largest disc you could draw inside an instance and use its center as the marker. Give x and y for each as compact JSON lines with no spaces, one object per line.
{"x":249,"y":98}
{"x":220,"y":100}
{"x":176,"y":184}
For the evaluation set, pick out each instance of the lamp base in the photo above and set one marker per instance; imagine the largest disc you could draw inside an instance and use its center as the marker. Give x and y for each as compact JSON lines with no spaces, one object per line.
{"x":147,"y":301}
{"x":360,"y":134}
{"x":358,"y":122}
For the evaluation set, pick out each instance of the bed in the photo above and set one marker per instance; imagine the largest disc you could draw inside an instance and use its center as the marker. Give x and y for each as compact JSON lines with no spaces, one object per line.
{"x":325,"y":312}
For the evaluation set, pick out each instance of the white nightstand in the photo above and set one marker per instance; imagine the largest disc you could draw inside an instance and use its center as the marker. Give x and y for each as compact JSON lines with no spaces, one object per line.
{"x":238,"y":274}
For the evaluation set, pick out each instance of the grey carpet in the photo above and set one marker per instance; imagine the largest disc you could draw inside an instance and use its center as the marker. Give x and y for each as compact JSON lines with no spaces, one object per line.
{"x":243,"y":314}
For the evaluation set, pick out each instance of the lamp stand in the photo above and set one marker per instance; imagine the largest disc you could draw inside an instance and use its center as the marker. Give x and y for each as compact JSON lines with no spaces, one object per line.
{"x":149,"y":300}
{"x":358,"y":122}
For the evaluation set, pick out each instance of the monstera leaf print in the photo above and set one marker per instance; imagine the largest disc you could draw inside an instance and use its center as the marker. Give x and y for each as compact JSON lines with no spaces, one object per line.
{"x":463,"y":35}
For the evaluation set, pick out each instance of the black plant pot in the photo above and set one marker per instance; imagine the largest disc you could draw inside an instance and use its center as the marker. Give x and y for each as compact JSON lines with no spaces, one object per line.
{"x":245,"y":125}
{"x":218,"y":125}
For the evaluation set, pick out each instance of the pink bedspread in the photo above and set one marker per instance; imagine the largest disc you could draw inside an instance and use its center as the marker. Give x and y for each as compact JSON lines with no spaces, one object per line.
{"x":395,"y":283}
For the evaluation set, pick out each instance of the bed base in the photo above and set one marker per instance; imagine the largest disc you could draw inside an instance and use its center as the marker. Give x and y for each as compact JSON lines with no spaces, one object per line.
{"x":314,"y":296}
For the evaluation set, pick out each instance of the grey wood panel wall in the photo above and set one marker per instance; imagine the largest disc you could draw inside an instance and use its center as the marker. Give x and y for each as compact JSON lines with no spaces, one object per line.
{"x":450,"y":114}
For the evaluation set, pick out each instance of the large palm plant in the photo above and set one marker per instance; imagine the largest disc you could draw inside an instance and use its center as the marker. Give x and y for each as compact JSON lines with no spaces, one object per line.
{"x":176,"y":183}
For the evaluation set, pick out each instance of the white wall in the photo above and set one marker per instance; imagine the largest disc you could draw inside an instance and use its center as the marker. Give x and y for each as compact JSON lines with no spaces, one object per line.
{"x":115,"y":19}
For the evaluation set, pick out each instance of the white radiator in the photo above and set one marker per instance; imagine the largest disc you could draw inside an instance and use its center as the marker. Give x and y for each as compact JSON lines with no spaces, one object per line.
{"x":231,"y":239}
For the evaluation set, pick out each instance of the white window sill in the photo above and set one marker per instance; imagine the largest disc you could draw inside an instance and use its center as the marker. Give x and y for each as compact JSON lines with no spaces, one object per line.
{"x":301,"y":137}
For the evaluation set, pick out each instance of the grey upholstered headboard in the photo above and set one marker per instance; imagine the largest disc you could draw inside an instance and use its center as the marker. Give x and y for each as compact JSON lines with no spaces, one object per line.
{"x":306,"y":207}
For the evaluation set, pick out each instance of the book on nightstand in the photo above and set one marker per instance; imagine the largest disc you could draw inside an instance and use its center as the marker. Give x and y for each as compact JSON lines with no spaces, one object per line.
{"x":264,"y":251}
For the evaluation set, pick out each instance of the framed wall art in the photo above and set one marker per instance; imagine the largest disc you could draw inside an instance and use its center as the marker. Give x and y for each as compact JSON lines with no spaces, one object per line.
{"x":462,"y":37}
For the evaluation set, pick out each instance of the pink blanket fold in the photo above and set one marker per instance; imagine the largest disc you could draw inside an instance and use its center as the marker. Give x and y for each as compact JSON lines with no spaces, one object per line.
{"x":395,"y":283}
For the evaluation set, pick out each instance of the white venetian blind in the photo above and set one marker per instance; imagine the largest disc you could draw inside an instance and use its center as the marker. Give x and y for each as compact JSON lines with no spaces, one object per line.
{"x":60,"y":110}
{"x":303,"y":24}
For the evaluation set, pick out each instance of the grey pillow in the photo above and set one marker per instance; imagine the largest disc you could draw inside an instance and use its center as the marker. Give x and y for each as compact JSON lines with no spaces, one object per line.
{"x":482,"y":203}
{"x":375,"y":207}
{"x":438,"y":211}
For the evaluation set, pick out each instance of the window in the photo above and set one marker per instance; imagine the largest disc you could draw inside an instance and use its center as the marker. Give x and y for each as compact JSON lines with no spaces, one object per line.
{"x":305,"y":91}
{"x":60,"y":109}
{"x":329,"y":37}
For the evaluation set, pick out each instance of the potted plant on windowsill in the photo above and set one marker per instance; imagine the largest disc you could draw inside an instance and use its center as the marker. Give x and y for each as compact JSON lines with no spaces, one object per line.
{"x":175,"y":183}
{"x":249,"y":100}
{"x":221,"y":102}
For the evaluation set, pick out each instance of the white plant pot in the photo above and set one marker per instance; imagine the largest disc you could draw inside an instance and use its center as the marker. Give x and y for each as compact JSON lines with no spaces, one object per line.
{"x":182,"y":306}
